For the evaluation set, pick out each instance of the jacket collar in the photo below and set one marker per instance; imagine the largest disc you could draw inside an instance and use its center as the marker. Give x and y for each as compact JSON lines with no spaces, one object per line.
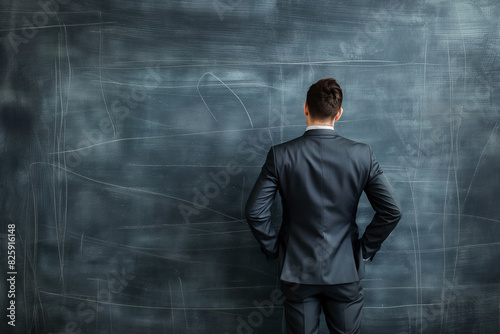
{"x":320,"y":132}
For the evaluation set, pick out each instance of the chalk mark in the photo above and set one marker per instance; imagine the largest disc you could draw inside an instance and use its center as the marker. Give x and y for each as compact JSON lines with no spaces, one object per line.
{"x":100,"y":76}
{"x":232,"y":92}
{"x":131,"y":188}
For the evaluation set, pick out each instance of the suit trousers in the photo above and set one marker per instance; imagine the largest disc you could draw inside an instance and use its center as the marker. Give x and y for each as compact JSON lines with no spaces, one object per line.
{"x":341,"y":304}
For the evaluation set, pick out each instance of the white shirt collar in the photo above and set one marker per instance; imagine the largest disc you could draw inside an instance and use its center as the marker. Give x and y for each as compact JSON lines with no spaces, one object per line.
{"x":315,"y":127}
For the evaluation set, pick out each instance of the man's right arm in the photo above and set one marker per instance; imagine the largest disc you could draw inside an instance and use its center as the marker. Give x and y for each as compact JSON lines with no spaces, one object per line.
{"x":258,"y":208}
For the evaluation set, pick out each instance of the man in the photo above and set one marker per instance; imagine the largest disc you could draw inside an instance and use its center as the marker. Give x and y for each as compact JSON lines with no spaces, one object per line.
{"x":320,"y":177}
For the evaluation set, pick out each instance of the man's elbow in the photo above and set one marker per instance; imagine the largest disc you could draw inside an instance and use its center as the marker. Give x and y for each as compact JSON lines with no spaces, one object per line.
{"x":256,"y":213}
{"x":251,"y":212}
{"x":391,"y":214}
{"x":248,"y":211}
{"x":399,"y":211}
{"x":395,"y":214}
{"x":398,"y":216}
{"x":252,"y":215}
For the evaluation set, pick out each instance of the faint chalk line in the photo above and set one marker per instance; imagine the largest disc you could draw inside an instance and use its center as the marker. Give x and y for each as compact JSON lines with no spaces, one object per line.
{"x":184,"y":305}
{"x":130,"y":188}
{"x":158,"y":137}
{"x":102,"y":302}
{"x":58,"y":26}
{"x":232,"y":92}
{"x":100,"y":77}
{"x":479,"y":161}
{"x":163,"y":257}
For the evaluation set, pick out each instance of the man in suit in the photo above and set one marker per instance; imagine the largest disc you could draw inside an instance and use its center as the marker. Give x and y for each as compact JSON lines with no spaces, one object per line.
{"x":320,"y":177}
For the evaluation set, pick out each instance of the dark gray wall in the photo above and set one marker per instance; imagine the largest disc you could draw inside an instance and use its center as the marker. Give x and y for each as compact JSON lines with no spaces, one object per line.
{"x":131,"y":133}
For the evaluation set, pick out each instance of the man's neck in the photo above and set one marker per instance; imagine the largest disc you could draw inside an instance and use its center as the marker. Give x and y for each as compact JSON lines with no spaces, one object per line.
{"x":321,"y":122}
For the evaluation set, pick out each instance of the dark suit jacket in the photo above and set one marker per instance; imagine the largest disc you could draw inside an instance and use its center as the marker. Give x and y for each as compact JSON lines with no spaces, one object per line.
{"x":320,"y":177}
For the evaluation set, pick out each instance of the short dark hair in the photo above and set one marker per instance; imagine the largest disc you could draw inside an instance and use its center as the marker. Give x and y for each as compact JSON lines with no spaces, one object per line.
{"x":324,"y":99}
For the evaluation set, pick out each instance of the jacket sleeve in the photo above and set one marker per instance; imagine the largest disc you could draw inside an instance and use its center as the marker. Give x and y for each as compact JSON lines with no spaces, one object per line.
{"x":387,"y":211}
{"x":258,"y":208}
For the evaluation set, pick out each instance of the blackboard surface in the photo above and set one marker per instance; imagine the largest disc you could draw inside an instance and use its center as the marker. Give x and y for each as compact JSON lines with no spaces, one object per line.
{"x":131,"y":133}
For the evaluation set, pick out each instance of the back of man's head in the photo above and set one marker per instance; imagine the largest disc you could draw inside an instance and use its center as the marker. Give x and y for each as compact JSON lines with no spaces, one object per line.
{"x":324,"y":99}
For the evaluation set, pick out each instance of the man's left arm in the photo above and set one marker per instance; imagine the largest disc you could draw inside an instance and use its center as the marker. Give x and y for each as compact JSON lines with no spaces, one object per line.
{"x":387,"y":211}
{"x":258,"y":208}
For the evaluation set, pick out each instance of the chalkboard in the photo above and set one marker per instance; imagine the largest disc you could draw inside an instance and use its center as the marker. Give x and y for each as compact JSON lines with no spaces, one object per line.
{"x":131,"y":133}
